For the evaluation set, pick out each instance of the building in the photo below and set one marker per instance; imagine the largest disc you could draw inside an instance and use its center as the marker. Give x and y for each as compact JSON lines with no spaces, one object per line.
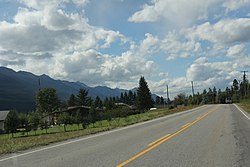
{"x":3,"y":116}
{"x":82,"y":110}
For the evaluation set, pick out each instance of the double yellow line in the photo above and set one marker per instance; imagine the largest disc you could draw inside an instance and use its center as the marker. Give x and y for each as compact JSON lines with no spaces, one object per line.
{"x":163,"y":139}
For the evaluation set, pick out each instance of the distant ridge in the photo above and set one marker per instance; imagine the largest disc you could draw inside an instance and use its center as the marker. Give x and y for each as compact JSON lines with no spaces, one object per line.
{"x":18,"y":89}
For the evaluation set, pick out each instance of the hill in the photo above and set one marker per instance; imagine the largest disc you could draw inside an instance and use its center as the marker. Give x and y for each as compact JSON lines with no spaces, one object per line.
{"x":18,"y":89}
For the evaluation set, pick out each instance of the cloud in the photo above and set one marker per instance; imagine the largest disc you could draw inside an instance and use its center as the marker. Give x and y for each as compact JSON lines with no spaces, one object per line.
{"x":202,"y":70}
{"x":51,"y":37}
{"x":149,"y":45}
{"x":236,"y":51}
{"x":207,"y":74}
{"x":227,"y":31}
{"x":179,"y":12}
{"x":43,"y":28}
{"x":44,"y":38}
{"x":232,"y":5}
{"x":175,"y":46}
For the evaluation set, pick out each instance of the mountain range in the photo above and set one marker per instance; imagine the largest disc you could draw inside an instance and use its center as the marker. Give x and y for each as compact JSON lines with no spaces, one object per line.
{"x":18,"y":89}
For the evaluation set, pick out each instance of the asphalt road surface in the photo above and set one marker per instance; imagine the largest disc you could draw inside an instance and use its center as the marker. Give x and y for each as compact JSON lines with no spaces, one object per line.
{"x":212,"y":135}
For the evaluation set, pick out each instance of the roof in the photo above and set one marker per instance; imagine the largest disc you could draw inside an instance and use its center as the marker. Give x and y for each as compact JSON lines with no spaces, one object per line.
{"x":3,"y":115}
{"x":69,"y":109}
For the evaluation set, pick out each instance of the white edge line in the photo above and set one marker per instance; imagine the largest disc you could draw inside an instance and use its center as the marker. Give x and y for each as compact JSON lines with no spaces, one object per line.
{"x":100,"y":134}
{"x":241,"y":111}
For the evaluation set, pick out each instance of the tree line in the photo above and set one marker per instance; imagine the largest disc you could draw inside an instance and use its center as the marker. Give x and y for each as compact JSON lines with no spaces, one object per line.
{"x":127,"y":103}
{"x":237,"y":92}
{"x":47,"y":102}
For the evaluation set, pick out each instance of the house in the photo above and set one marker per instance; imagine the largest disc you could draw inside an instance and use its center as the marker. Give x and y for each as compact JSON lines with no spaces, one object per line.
{"x":82,"y":110}
{"x":3,"y":116}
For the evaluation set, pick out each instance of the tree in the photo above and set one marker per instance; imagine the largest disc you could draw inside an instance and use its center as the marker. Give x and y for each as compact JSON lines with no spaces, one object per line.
{"x":44,"y":125}
{"x":109,"y":103}
{"x":64,"y":119}
{"x":77,"y":119}
{"x":98,"y":102}
{"x":82,"y":98}
{"x":34,"y":119}
{"x":204,"y":96}
{"x":214,"y":95}
{"x":47,"y":100}
{"x":235,"y":85}
{"x":12,"y":122}
{"x":157,"y":100}
{"x":144,"y":99}
{"x":24,"y":122}
{"x":122,"y":98}
{"x":162,"y":100}
{"x":180,"y":99}
{"x":131,"y":99}
{"x":72,"y":100}
{"x":210,"y":96}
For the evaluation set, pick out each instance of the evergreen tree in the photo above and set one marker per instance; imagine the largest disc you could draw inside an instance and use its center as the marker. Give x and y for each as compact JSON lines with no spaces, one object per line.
{"x":144,"y":99}
{"x":98,"y":102}
{"x":72,"y":100}
{"x":214,"y":95}
{"x":131,"y":99}
{"x":235,"y":85}
{"x":82,"y":98}
{"x":204,"y":96}
{"x":122,"y":98}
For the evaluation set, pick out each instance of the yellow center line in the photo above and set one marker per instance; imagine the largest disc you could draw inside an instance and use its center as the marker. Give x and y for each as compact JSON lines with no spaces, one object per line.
{"x":186,"y":124}
{"x":156,"y":141}
{"x":164,"y":139}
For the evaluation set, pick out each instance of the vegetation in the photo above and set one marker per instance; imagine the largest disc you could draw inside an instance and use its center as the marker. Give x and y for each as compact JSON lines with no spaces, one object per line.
{"x":245,"y":104}
{"x":144,"y":100}
{"x":47,"y":100}
{"x":81,"y":115}
{"x":22,"y":141}
{"x":12,"y":122}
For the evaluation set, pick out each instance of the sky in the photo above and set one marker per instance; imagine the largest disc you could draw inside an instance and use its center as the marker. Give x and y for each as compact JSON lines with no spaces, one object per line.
{"x":114,"y":42}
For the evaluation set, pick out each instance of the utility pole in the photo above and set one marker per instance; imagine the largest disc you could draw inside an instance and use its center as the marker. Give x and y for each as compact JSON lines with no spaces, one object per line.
{"x":245,"y":81}
{"x":192,"y":82}
{"x":167,"y":97}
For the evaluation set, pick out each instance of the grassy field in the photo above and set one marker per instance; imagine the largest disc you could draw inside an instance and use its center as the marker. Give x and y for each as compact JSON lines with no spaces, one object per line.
{"x":22,"y":140}
{"x":245,"y":104}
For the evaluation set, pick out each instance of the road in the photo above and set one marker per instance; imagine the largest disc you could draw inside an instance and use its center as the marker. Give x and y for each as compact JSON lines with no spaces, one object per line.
{"x":211,"y":135}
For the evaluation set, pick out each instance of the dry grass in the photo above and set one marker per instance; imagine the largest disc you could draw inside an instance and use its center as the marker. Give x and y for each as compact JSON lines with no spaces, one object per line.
{"x":245,"y":105}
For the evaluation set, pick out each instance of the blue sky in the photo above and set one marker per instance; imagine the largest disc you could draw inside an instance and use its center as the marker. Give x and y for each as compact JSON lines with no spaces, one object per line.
{"x":114,"y":42}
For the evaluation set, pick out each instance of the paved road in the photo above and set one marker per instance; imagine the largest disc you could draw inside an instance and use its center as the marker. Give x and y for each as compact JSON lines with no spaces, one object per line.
{"x":213,"y":135}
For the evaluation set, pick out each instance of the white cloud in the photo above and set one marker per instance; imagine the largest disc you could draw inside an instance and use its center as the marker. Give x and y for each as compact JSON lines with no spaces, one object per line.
{"x":236,"y":51}
{"x":178,"y":12}
{"x":219,"y":74}
{"x":232,"y":5}
{"x":203,"y":70}
{"x":67,"y":46}
{"x":149,"y":44}
{"x":175,"y":46}
{"x":225,"y":31}
{"x":36,"y":4}
{"x":45,"y":37}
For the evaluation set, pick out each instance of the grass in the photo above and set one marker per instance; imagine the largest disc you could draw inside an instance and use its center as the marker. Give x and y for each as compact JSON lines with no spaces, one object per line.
{"x":245,"y":105}
{"x":22,"y":141}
